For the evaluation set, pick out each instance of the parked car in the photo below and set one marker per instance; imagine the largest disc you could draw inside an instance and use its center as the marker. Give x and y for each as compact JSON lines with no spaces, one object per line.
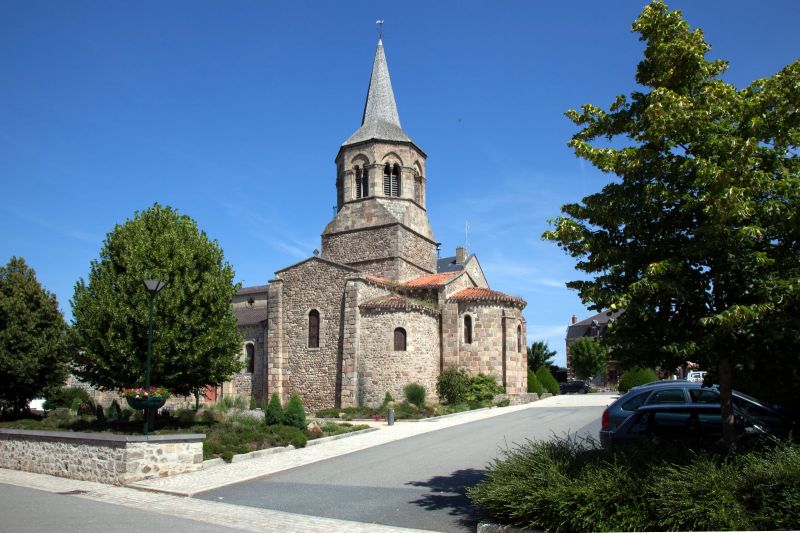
{"x":688,"y":393}
{"x":576,"y":385}
{"x":685,"y":423}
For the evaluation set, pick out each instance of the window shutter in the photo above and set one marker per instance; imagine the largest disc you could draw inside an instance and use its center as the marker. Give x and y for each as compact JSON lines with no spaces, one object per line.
{"x":313,"y":329}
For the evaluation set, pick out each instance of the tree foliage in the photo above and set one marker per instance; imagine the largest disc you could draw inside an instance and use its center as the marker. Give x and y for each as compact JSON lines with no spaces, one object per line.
{"x":274,"y":412}
{"x":195,"y":341}
{"x":587,"y":357}
{"x":634,"y":377}
{"x":540,"y":354}
{"x":698,"y":237}
{"x":547,"y":380}
{"x":34,"y":347}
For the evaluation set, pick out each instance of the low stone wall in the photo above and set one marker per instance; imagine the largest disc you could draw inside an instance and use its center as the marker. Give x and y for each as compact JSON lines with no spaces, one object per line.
{"x":522,"y":398}
{"x":101,"y":457}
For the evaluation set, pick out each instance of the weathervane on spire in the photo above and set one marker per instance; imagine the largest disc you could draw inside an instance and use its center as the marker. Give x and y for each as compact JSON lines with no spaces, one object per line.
{"x":380,"y":28}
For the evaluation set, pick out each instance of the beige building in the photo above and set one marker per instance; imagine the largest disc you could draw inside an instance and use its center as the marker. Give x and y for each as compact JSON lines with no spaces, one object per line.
{"x":377,"y":309}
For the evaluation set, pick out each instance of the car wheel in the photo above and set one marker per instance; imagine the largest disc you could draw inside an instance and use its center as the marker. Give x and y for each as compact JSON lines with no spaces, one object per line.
{"x":584,"y":391}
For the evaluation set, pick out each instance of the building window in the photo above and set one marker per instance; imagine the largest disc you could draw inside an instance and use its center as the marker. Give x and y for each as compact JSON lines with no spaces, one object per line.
{"x":400,"y":340}
{"x":250,"y":350}
{"x":362,"y":182}
{"x":519,"y":338}
{"x":313,"y":329}
{"x":467,"y":329}
{"x":391,"y":180}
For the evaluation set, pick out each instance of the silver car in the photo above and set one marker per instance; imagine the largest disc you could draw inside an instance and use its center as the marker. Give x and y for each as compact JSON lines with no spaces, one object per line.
{"x":685,"y":392}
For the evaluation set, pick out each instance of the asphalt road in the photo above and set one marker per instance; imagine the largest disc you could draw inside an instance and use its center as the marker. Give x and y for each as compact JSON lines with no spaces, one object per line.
{"x":24,"y":510}
{"x":417,"y":482}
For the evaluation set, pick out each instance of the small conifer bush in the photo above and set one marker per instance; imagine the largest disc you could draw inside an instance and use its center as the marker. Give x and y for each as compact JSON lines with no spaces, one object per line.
{"x":635,"y":377}
{"x":294,"y":414}
{"x":533,"y":384}
{"x":274,"y":413}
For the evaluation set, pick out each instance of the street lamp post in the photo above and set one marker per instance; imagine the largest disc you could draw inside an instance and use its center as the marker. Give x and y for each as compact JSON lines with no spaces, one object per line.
{"x":153,"y":287}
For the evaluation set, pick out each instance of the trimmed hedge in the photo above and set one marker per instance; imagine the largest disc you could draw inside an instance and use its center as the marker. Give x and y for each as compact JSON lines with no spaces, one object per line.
{"x":547,"y":380}
{"x":571,"y":484}
{"x":534,"y":385}
{"x":634,"y":377}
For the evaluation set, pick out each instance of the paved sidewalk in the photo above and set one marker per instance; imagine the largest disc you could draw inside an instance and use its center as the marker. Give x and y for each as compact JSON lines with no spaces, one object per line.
{"x":228,"y":474}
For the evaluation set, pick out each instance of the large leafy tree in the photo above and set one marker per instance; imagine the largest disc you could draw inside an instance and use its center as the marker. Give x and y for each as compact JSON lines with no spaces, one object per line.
{"x":34,"y":348}
{"x":539,"y":355}
{"x":195,"y":340}
{"x":698,"y":238}
{"x":587,"y":357}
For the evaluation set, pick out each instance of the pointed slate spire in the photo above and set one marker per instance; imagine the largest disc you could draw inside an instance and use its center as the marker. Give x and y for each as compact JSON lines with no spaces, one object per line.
{"x":380,"y":120}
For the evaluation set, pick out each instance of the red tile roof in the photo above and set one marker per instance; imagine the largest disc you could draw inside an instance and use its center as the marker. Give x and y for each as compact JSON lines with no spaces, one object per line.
{"x":431,"y":280}
{"x":475,"y":294}
{"x":397,"y":302}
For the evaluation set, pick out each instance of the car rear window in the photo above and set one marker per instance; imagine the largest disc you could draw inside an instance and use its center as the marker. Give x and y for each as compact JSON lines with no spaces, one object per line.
{"x":635,"y":402}
{"x":667,"y":396}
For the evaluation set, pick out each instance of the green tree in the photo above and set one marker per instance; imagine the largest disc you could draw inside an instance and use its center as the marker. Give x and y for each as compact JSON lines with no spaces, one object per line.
{"x":547,"y":380}
{"x":698,"y":238}
{"x":195,"y":340}
{"x":540,"y":354}
{"x":587,"y":357}
{"x":34,"y":347}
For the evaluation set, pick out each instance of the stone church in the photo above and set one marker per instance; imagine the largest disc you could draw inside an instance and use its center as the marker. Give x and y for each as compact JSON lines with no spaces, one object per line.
{"x":377,"y":309}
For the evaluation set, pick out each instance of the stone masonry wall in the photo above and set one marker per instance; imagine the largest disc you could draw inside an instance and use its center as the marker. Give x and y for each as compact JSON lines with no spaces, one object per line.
{"x":245,"y":384}
{"x":382,"y":369}
{"x":312,"y":372}
{"x":393,"y":252}
{"x":104,"y":458}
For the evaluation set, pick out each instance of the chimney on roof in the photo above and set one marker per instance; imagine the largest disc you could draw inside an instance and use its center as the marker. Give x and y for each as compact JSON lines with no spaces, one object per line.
{"x":574,"y":319}
{"x":461,"y":255}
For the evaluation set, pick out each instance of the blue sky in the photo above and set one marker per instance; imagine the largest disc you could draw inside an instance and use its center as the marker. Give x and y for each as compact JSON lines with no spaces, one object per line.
{"x":232,"y":112}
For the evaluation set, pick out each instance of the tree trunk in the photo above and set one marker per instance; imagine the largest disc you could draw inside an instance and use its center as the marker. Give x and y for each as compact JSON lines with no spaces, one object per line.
{"x":726,"y":403}
{"x":196,"y":399}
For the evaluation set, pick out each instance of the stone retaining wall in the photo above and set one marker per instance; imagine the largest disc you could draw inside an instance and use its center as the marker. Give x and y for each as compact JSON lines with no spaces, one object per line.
{"x":100,"y":457}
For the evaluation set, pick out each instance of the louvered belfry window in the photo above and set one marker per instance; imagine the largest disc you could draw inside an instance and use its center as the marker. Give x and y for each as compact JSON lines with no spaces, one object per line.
{"x":362,"y":182}
{"x":313,"y":329}
{"x":467,"y":329}
{"x":391,"y":180}
{"x":400,"y":340}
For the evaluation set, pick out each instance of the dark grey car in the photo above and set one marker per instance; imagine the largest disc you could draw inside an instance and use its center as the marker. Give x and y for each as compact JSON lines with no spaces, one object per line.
{"x":683,"y":422}
{"x":688,"y":393}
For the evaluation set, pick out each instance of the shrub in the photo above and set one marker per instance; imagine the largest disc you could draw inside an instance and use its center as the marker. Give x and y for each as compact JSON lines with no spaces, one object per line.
{"x":294,"y":414}
{"x":634,"y":377}
{"x":387,"y":399}
{"x":274,"y":413}
{"x":283,"y":435}
{"x":653,"y":487}
{"x":185,"y":417}
{"x":547,"y":380}
{"x":452,"y":385}
{"x":483,"y":388}
{"x":113,"y":411}
{"x":85,"y":407}
{"x":533,"y":384}
{"x":65,"y":397}
{"x":227,"y":403}
{"x":415,"y":393}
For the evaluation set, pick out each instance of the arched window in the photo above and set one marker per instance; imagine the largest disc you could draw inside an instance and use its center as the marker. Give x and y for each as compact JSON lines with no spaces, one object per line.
{"x":519,"y":338}
{"x":313,"y":329}
{"x":362,"y":182}
{"x":250,"y":350}
{"x":391,"y":180}
{"x":400,"y":340}
{"x":467,"y":329}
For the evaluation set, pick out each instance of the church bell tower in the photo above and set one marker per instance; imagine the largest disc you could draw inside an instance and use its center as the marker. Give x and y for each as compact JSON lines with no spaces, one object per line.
{"x":381,"y":226}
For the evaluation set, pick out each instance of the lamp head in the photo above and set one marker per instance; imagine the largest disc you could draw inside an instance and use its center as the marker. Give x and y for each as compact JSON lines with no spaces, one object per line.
{"x":154,"y":285}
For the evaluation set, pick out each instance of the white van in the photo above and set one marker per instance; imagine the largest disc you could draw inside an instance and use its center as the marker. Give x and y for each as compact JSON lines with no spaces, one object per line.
{"x":696,"y":376}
